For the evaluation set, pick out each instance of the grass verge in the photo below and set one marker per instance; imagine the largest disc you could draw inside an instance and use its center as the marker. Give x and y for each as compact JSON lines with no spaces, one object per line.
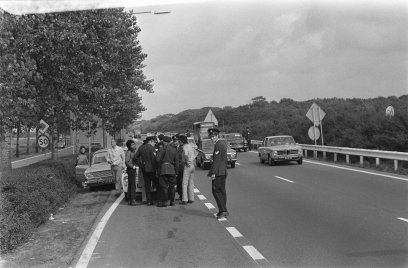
{"x":56,"y":242}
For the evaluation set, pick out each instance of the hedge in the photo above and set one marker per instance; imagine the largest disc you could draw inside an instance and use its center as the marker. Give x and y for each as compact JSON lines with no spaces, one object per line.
{"x":29,"y":195}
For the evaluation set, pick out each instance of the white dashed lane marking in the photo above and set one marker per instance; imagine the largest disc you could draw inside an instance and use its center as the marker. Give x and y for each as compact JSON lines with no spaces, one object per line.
{"x":234,"y":232}
{"x":403,"y":219}
{"x":253,"y":252}
{"x":284,"y":179}
{"x":209,"y":205}
{"x":258,"y":258}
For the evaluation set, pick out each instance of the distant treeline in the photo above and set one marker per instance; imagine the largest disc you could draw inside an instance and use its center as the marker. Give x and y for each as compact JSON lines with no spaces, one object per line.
{"x":356,"y":123}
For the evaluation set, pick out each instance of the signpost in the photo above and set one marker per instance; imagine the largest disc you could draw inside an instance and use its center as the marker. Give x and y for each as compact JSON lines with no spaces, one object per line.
{"x":44,"y":126}
{"x":43,"y":141}
{"x":316,"y":115}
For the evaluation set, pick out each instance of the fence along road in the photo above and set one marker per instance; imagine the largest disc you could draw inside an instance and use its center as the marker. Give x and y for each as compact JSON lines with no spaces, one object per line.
{"x":34,"y":159}
{"x":377,"y":154}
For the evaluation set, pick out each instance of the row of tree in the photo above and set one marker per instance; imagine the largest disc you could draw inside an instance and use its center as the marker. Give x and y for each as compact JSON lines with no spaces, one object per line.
{"x":70,"y":69}
{"x":356,"y":123}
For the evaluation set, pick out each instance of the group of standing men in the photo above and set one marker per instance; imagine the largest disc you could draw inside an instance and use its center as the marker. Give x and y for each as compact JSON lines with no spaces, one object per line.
{"x":168,"y":163}
{"x":164,"y":162}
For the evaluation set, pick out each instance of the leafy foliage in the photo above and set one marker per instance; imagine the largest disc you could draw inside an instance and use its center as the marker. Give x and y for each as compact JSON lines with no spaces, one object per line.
{"x":28,"y":196}
{"x":88,"y":63}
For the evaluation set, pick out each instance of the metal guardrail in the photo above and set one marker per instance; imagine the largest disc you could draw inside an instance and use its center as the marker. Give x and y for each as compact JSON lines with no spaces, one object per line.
{"x":377,"y":154}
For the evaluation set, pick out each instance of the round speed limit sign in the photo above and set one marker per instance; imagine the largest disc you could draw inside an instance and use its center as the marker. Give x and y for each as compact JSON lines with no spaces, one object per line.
{"x":43,"y":141}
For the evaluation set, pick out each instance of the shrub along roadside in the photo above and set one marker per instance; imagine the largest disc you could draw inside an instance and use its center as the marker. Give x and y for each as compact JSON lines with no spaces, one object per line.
{"x":29,"y":195}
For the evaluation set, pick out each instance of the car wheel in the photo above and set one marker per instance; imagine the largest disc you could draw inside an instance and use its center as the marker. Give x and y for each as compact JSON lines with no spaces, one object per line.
{"x":232,"y":164}
{"x":245,"y":149}
{"x":261,"y":160}
{"x":270,"y":161}
{"x":300,"y":161}
{"x":206,"y":166}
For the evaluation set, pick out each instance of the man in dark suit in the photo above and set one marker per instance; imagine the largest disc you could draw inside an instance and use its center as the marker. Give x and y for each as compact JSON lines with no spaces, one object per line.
{"x":145,"y":157}
{"x":168,"y":160}
{"x":218,"y":172}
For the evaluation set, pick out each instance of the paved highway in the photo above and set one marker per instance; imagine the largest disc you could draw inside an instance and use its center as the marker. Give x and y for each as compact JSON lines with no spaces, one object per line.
{"x":289,"y":215}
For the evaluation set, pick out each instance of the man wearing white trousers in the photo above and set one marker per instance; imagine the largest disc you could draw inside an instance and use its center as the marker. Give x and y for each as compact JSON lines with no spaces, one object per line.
{"x":189,"y":156}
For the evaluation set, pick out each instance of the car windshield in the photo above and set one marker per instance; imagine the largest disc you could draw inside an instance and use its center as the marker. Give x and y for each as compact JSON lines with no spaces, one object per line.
{"x":99,"y":158}
{"x":207,"y":145}
{"x":191,"y":140}
{"x":234,"y":136}
{"x":276,"y":141}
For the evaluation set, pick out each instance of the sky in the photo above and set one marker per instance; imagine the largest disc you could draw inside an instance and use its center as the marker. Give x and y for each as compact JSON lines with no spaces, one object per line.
{"x":221,"y":53}
{"x":224,"y":53}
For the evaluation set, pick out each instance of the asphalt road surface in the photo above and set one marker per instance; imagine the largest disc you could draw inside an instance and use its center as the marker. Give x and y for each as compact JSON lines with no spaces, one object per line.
{"x":289,"y":215}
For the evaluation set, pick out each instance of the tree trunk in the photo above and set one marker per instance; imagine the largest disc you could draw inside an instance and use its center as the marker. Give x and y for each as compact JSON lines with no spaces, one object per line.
{"x":28,"y":139}
{"x":5,"y":152}
{"x":36,"y":135}
{"x":18,"y":140}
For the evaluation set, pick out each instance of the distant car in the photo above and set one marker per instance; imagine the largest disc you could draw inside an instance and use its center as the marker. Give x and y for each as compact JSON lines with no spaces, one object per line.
{"x":60,"y":144}
{"x":236,"y":140}
{"x":205,"y":154}
{"x":192,"y":141}
{"x":280,"y":149}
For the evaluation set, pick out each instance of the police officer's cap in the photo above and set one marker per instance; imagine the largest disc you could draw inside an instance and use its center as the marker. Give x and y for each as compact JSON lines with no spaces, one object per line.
{"x":166,"y":139}
{"x":151,"y":138}
{"x":213,"y":131}
{"x":161,"y":137}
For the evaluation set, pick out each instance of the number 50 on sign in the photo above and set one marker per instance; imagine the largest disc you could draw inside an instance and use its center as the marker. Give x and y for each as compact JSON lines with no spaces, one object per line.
{"x":43,"y":141}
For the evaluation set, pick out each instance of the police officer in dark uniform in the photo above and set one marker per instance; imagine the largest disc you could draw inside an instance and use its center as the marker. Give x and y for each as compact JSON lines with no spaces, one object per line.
{"x":167,"y":158}
{"x":145,"y":157}
{"x":218,"y":172}
{"x":179,"y":147}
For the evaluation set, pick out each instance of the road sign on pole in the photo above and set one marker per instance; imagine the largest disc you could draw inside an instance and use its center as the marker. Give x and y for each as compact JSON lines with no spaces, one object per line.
{"x":44,"y":126}
{"x":316,"y":115}
{"x":43,"y":141}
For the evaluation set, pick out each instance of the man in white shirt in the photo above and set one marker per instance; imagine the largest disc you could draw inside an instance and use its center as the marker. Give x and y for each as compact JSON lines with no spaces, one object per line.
{"x":189,"y":156}
{"x":116,"y":158}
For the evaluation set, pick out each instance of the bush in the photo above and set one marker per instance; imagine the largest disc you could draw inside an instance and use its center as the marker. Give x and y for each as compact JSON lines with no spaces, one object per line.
{"x":29,"y":195}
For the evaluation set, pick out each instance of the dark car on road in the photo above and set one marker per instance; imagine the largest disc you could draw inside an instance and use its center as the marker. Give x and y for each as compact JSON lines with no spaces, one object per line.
{"x":205,"y":154}
{"x":238,"y":143}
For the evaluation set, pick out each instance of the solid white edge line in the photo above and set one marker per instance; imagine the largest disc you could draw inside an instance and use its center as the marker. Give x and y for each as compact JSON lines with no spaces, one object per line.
{"x":352,"y":169}
{"x":201,"y":197}
{"x":234,"y":232}
{"x":209,"y":205}
{"x":237,"y":164}
{"x":402,"y":219}
{"x":90,"y":246}
{"x":284,"y":179}
{"x":253,"y":252}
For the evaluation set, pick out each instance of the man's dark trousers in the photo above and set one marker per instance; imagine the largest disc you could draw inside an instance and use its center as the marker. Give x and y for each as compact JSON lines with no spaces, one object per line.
{"x":149,"y":177}
{"x":167,"y":186}
{"x":219,"y":193}
{"x":180,"y":182}
{"x":131,"y":184}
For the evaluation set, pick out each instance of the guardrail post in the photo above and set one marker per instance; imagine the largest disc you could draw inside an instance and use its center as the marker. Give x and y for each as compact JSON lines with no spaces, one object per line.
{"x":377,"y":162}
{"x":335,"y":157}
{"x":361,"y":160}
{"x":395,"y":165}
{"x":305,"y":153}
{"x":324,"y":155}
{"x":315,"y":154}
{"x":347,"y":159}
